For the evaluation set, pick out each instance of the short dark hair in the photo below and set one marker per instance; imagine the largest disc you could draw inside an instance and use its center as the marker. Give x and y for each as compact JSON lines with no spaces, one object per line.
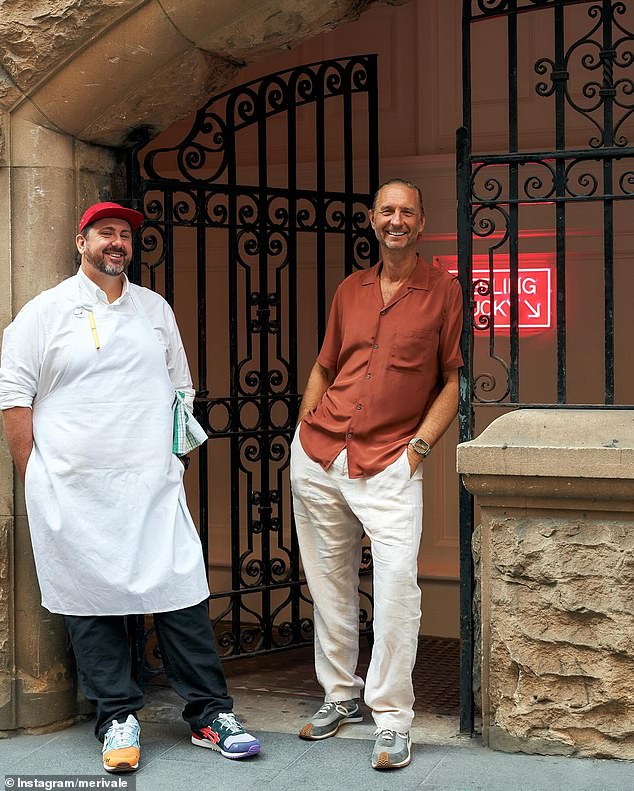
{"x":84,"y":232}
{"x":403,"y":183}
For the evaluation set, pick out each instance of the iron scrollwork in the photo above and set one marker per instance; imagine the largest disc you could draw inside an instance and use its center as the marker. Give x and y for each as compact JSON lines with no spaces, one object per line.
{"x":591,"y":76}
{"x":491,"y":8}
{"x":588,"y":79}
{"x":593,"y":55}
{"x":191,"y":189}
{"x":485,"y":219}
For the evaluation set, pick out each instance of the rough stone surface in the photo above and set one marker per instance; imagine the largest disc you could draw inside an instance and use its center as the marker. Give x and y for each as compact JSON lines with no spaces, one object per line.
{"x":101,"y":175}
{"x":6,"y":502}
{"x":6,"y":636}
{"x":556,"y":592}
{"x":99,"y":160}
{"x":258,"y":28}
{"x":44,"y":687}
{"x":476,"y":545}
{"x":185,"y":83}
{"x":4,"y":125}
{"x":561,"y":662}
{"x":63,"y":55}
{"x":9,"y":91}
{"x":36,"y":36}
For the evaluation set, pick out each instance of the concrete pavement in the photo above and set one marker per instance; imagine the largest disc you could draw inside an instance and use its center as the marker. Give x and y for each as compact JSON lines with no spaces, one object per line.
{"x":442,"y":760}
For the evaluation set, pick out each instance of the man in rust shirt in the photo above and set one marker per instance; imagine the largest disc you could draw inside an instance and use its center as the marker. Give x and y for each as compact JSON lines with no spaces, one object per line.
{"x":382,"y":392}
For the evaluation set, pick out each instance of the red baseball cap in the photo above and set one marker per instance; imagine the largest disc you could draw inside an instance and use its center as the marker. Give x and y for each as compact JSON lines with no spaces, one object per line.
{"x":108,"y":209}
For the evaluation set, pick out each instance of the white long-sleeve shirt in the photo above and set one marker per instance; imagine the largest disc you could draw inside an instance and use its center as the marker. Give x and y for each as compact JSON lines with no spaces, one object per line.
{"x":45,"y":324}
{"x":101,"y":480}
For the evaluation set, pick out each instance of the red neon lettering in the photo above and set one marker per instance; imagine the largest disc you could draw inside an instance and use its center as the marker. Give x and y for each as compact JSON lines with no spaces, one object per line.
{"x":533,"y":298}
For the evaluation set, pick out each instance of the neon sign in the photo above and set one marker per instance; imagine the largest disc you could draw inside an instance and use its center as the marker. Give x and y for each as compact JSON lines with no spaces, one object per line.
{"x":534,"y":295}
{"x":533,"y":298}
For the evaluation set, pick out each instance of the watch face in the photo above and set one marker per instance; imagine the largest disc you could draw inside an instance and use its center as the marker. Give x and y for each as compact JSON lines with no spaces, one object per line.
{"x":420,"y":446}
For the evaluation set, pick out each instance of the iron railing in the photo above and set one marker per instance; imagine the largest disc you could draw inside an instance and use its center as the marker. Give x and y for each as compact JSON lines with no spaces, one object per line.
{"x":248,"y":403}
{"x":586,"y":78}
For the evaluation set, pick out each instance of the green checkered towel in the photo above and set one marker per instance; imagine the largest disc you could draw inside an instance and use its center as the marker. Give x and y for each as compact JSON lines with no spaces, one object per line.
{"x":188,"y":433}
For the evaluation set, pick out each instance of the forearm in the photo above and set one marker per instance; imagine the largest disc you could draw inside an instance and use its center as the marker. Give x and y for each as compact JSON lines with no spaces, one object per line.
{"x":18,"y":429}
{"x":442,"y":412}
{"x":318,"y":382}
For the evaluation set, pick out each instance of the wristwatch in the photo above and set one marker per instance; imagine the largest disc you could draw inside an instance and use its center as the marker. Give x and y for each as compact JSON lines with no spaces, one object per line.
{"x":421,"y":446}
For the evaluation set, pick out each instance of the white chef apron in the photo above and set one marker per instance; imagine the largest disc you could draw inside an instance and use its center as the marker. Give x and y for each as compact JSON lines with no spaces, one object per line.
{"x":110,"y":527}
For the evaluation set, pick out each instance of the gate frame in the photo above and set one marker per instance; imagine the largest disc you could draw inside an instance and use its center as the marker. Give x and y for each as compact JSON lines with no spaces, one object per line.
{"x":607,"y":148}
{"x":253,"y":103}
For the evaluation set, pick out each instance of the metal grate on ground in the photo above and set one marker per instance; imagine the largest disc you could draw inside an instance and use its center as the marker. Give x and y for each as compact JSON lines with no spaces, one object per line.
{"x":436,"y":674}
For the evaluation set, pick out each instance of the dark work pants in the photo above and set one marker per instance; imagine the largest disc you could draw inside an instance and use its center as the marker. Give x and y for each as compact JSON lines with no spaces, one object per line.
{"x":188,"y":648}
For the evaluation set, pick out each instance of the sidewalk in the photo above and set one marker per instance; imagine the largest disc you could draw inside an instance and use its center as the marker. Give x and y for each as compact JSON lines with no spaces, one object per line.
{"x":441,"y":759}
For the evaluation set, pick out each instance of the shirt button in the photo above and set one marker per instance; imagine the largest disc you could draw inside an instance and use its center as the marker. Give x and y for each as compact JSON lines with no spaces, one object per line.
{"x":383,"y":312}
{"x":368,"y":376}
{"x":375,"y":346}
{"x":349,"y":435}
{"x":359,"y":406}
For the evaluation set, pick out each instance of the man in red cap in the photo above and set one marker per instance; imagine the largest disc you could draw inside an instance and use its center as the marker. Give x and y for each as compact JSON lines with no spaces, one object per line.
{"x":88,"y":378}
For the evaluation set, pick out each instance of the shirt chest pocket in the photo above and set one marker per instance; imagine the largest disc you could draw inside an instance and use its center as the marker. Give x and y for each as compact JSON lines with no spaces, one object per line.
{"x":413,"y":350}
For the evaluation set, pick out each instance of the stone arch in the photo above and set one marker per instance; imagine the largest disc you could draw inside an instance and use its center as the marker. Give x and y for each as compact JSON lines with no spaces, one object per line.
{"x":96,"y":70}
{"x":76,"y":78}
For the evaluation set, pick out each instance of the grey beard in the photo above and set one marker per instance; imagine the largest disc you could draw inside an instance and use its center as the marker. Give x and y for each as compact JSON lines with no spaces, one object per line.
{"x":111,"y":270}
{"x":99,"y":262}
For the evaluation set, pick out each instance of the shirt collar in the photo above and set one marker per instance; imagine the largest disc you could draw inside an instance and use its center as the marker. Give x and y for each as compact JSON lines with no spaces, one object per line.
{"x":418,"y":279}
{"x":89,"y":288}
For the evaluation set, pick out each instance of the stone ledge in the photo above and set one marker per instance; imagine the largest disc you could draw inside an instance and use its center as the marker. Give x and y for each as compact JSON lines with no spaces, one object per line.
{"x":554,"y":443}
{"x":556,"y":564}
{"x":508,"y":491}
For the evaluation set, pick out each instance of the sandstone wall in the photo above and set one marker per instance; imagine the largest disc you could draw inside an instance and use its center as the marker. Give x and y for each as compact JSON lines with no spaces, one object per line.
{"x":46,"y":178}
{"x":561,"y":640}
{"x":98,"y":69}
{"x":557,"y":574}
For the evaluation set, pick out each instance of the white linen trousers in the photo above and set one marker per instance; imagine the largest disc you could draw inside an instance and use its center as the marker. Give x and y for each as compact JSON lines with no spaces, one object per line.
{"x":332,"y":512}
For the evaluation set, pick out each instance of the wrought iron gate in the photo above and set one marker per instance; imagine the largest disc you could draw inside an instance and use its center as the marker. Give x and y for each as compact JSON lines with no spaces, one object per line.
{"x":583,"y":77}
{"x":252,"y":219}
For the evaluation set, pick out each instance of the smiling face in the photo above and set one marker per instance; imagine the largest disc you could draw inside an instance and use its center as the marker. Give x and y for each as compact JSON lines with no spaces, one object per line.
{"x":397,"y":218}
{"x":106,"y":247}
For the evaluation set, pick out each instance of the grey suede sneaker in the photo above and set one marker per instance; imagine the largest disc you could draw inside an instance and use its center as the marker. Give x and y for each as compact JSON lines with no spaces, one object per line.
{"x":391,"y":749}
{"x":330,"y":717}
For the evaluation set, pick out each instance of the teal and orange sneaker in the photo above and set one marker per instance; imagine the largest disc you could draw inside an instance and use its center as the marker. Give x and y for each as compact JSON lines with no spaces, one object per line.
{"x":226,"y":736}
{"x":121,"y":748}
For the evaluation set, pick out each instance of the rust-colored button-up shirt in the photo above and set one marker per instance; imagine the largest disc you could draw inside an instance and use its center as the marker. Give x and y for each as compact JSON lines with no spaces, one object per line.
{"x":388,"y":361}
